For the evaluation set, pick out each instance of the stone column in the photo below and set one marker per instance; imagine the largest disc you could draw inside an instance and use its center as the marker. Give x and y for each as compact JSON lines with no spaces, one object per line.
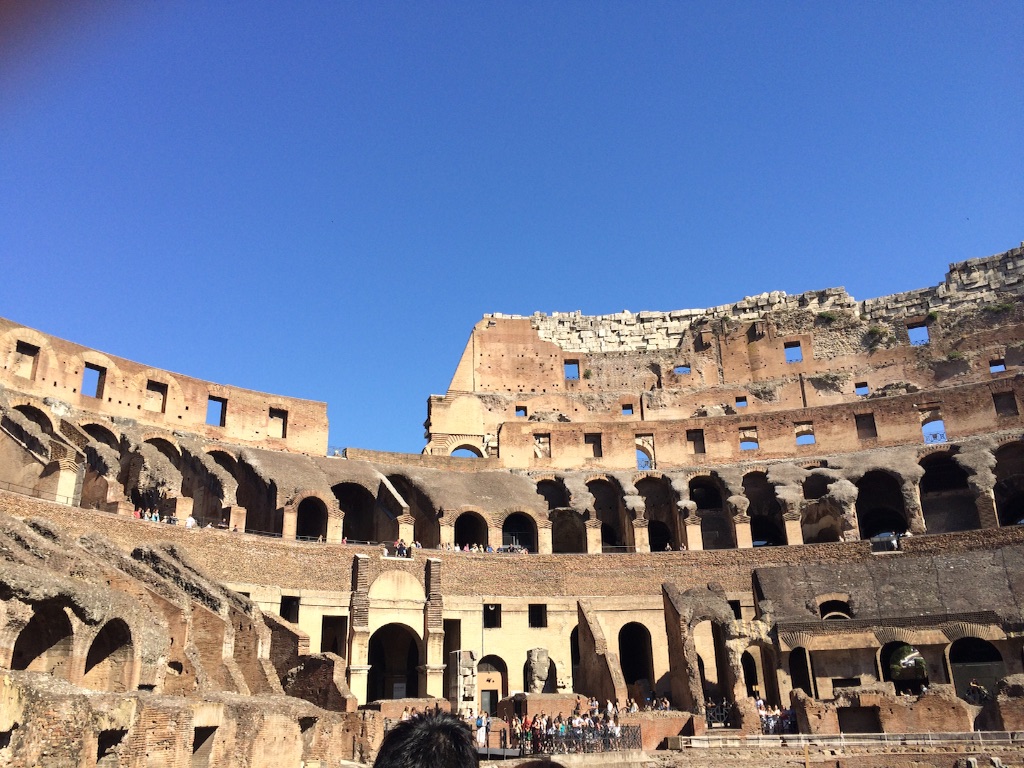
{"x":641,"y":536}
{"x":236,"y":517}
{"x":289,"y":522}
{"x":743,"y":537}
{"x":179,"y":507}
{"x":593,"y":531}
{"x":985,"y":501}
{"x":912,"y":502}
{"x":67,"y":480}
{"x":335,"y":525}
{"x":544,"y":537}
{"x":794,"y":533}
{"x":694,"y":537}
{"x":357,"y":679}
{"x":407,"y":528}
{"x":432,"y":680}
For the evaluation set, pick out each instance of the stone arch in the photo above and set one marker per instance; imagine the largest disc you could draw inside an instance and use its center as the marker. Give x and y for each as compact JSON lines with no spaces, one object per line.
{"x":45,"y":361}
{"x":880,"y":505}
{"x":395,"y":652}
{"x":947,"y":501}
{"x":973,"y":659}
{"x":173,"y":401}
{"x":109,"y":661}
{"x":767,"y":527}
{"x":255,"y":494}
{"x":102,"y":434}
{"x":554,"y":492}
{"x":426,"y":526}
{"x":636,"y":658}
{"x":903,"y":665}
{"x":362,"y":517}
{"x":1009,"y":486}
{"x":616,"y":533}
{"x":568,"y":531}
{"x":660,"y":510}
{"x":519,"y":529}
{"x":46,"y":643}
{"x":472,"y":443}
{"x":492,"y":671}
{"x":311,"y":513}
{"x":471,"y":528}
{"x":37,"y":417}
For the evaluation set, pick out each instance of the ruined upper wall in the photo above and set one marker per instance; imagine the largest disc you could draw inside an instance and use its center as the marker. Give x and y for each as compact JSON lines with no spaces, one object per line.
{"x":975,"y":281}
{"x":60,"y":371}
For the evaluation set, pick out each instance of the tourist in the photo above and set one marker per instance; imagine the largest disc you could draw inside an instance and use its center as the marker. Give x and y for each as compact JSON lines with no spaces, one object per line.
{"x":432,"y":740}
{"x":190,"y":522}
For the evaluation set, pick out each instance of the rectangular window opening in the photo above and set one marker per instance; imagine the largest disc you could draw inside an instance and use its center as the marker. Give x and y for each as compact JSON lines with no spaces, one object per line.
{"x":865,"y":425}
{"x":538,"y":615}
{"x":737,"y":609}
{"x":933,"y":428}
{"x":804,"y":433}
{"x":334,"y":635}
{"x":1005,"y":403}
{"x":695,"y":439}
{"x":278,"y":426}
{"x":156,"y":397}
{"x":26,"y":360}
{"x":202,"y":745}
{"x":681,"y":370}
{"x":741,"y":401}
{"x":794,"y":354}
{"x":290,"y":608}
{"x":572,"y":370}
{"x":542,"y":446}
{"x":997,"y":366}
{"x":748,"y":439}
{"x":107,"y":743}
{"x":918,"y":333}
{"x":520,"y":411}
{"x":861,"y":388}
{"x":593,"y":441}
{"x":93,"y":378}
{"x":627,"y":409}
{"x":216,"y":411}
{"x":492,"y":616}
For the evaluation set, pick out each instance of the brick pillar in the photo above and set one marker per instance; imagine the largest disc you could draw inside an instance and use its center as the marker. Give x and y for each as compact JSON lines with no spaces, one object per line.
{"x":641,"y":537}
{"x":912,"y":501}
{"x":236,"y":517}
{"x":407,"y":528}
{"x":432,"y":670}
{"x":447,"y":533}
{"x":357,"y":678}
{"x":335,"y":525}
{"x":743,"y":537}
{"x":179,"y":507}
{"x":67,"y":480}
{"x":985,"y":501}
{"x":794,"y":533}
{"x":694,"y":537}
{"x":289,"y":522}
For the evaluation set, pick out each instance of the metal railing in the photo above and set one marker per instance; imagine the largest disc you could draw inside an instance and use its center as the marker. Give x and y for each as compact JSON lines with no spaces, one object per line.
{"x":931,"y":438}
{"x":972,"y":739}
{"x":582,"y":741}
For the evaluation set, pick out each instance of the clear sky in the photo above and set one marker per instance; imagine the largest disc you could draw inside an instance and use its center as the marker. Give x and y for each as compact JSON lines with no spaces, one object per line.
{"x":320,"y":199}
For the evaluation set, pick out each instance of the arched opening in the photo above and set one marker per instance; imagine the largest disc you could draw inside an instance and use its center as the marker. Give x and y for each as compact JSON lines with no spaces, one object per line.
{"x":880,"y":507}
{"x":467,"y":452}
{"x":933,"y":429}
{"x":470,"y":529}
{"x":800,"y":670}
{"x":394,"y":655}
{"x":831,"y":610}
{"x":767,"y":528}
{"x":1009,"y":487}
{"x":637,"y":660}
{"x":44,"y":645}
{"x":492,"y":682}
{"x":976,"y":666}
{"x":257,"y":496}
{"x":359,"y":508}
{"x":904,"y":666}
{"x":554,"y":492}
{"x":716,"y":530}
{"x":709,"y":642}
{"x":706,"y":492}
{"x":644,"y":461}
{"x":102,"y":435}
{"x":568,"y":533}
{"x":659,"y":509}
{"x":311,"y":520}
{"x":37,"y":417}
{"x":750,"y":681}
{"x":108,"y":665}
{"x":947,"y":502}
{"x":519,"y":530}
{"x":608,"y":509}
{"x":426,"y":528}
{"x":815,"y":486}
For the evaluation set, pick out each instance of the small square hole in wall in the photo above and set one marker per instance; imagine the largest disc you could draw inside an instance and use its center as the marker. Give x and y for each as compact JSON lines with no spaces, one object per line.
{"x":492,"y":616}
{"x":627,"y":409}
{"x":156,"y":397}
{"x":216,"y":411}
{"x":804,"y":433}
{"x":93,"y":378}
{"x":1005,"y":403}
{"x":861,"y":388}
{"x":572,"y":370}
{"x":278,"y":424}
{"x":290,"y":608}
{"x":695,"y":439}
{"x":996,"y":366}
{"x":682,"y":370}
{"x":918,"y":333}
{"x":741,"y":402}
{"x":865,"y":423}
{"x":748,"y":439}
{"x":794,"y":354}
{"x":521,"y":411}
{"x":538,"y":615}
{"x":593,"y":442}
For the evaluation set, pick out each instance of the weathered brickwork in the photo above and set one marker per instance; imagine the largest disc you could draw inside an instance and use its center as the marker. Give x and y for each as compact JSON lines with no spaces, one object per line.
{"x":810,"y":500}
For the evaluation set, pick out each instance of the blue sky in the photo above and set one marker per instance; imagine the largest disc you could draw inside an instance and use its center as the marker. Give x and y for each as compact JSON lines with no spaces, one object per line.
{"x":320,"y":199}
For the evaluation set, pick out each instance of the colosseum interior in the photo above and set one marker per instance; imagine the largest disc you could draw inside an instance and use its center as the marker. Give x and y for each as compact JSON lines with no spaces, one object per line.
{"x":810,"y":500}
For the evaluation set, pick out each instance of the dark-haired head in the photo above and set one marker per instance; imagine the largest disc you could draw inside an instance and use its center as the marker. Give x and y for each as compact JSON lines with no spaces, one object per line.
{"x":431,"y":740}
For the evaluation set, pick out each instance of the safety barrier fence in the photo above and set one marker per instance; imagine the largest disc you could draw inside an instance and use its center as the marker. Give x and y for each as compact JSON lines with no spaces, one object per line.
{"x":971,"y":739}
